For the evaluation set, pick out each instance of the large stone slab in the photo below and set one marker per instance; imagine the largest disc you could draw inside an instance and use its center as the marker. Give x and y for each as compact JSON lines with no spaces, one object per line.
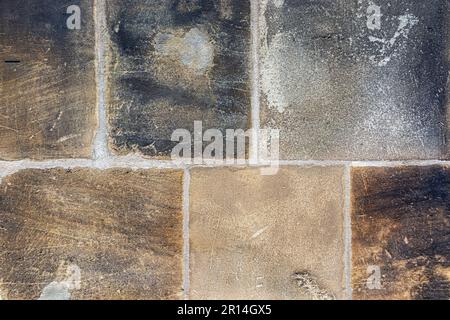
{"x":401,"y":228}
{"x":174,"y":62}
{"x":47,"y":80}
{"x":362,"y":80}
{"x":91,"y":234}
{"x":266,"y":237}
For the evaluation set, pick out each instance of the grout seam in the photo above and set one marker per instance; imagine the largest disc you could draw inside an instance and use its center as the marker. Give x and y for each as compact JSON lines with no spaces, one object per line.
{"x":140,"y":162}
{"x":347,"y":233}
{"x":100,"y":147}
{"x":186,"y":246}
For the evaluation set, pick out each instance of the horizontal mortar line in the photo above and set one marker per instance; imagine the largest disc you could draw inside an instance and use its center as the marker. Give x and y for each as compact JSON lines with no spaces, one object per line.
{"x":358,"y":163}
{"x":139,"y":162}
{"x":399,"y":163}
{"x":130,"y":162}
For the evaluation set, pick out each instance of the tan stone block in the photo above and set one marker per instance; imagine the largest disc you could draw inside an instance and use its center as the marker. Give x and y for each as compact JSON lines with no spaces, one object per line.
{"x":266,"y":237}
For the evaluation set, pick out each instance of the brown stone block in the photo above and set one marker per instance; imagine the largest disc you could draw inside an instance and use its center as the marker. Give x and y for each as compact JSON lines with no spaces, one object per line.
{"x":91,"y":234}
{"x":47,"y":80}
{"x":266,"y":237}
{"x":401,"y":233}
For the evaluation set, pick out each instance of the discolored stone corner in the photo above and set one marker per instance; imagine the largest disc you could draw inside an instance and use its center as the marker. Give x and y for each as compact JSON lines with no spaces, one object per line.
{"x":266,"y":237}
{"x":91,"y":234}
{"x":172,"y":63}
{"x":48,"y":92}
{"x":341,"y":87}
{"x":400,"y":227}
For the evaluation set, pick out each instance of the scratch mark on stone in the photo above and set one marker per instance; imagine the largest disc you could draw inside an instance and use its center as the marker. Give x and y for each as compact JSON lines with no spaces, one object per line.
{"x":259,"y":232}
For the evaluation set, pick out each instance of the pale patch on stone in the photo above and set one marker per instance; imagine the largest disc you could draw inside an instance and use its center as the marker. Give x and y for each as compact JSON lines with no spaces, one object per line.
{"x":389,"y":49}
{"x":3,"y":294}
{"x":282,"y":87}
{"x":226,"y":10}
{"x":61,"y":290}
{"x":444,"y":272}
{"x":278,"y":3}
{"x":194,"y":50}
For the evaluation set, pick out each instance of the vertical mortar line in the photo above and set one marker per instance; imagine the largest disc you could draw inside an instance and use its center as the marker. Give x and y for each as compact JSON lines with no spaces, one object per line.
{"x":347,"y":232}
{"x":100,"y":148}
{"x":186,"y":247}
{"x":255,"y":98}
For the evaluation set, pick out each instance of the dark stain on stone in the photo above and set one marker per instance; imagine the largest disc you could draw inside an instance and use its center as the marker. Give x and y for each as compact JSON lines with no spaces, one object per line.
{"x":121,"y":228}
{"x":401,"y":223}
{"x":48,"y":100}
{"x":173,"y":63}
{"x":190,"y":11}
{"x":147,"y":89}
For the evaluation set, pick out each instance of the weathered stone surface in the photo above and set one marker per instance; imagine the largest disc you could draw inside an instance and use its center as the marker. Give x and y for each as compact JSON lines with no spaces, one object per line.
{"x":401,"y":233}
{"x":91,"y":234}
{"x":48,"y":100}
{"x":341,"y":86}
{"x":174,"y":62}
{"x":266,"y":237}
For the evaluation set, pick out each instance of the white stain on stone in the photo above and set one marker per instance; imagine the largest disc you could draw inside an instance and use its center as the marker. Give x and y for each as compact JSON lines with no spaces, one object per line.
{"x":271,"y":78}
{"x":374,"y":17}
{"x":61,"y":290}
{"x":389,"y":47}
{"x":194,"y":50}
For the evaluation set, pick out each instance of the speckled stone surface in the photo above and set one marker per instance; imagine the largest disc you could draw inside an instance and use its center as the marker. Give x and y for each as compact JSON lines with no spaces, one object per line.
{"x":174,"y":62}
{"x":354,"y":79}
{"x":266,"y":237}
{"x":401,"y":233}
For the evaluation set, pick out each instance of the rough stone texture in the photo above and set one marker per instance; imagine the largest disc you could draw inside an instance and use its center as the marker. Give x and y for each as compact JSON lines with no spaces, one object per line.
{"x":174,"y":62}
{"x":401,"y":224}
{"x":339,"y":87}
{"x":91,"y":234}
{"x":48,"y":100}
{"x":266,"y":237}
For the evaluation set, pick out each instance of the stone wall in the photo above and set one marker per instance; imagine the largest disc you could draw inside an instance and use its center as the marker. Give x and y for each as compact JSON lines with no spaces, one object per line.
{"x":92,"y":206}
